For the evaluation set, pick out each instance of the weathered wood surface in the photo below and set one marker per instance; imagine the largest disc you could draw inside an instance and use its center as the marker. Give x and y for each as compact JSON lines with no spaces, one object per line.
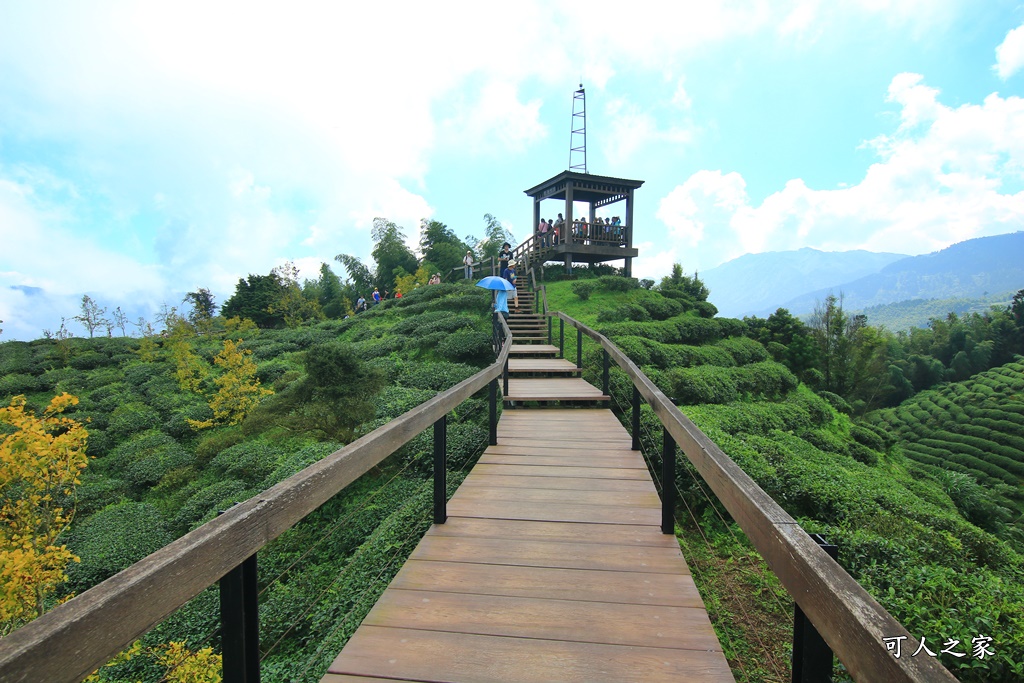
{"x":553,"y":389}
{"x":534,"y":350}
{"x":846,"y":616}
{"x":546,"y":365}
{"x":75,"y":638}
{"x":549,"y":572}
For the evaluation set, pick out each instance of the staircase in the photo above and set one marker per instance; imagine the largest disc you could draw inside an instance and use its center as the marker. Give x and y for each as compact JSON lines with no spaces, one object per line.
{"x":536,"y":374}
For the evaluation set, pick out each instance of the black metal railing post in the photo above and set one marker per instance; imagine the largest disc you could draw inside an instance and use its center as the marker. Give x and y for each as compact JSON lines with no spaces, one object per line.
{"x":441,"y":470}
{"x":812,"y":657}
{"x":579,"y":348}
{"x":668,"y":483}
{"x":561,"y":338}
{"x":549,"y":329}
{"x":504,"y":380}
{"x":604,"y":374}
{"x":492,"y":396}
{"x":636,"y":418}
{"x":240,"y":624}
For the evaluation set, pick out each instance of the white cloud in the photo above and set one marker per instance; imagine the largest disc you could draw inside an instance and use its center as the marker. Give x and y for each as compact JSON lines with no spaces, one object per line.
{"x":941,"y":179}
{"x":631,"y":129}
{"x":1010,"y":54}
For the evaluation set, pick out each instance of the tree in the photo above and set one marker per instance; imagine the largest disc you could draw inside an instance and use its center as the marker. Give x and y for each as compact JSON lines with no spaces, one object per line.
{"x":291,"y":305}
{"x":495,"y":234}
{"x":121,"y":321}
{"x":91,"y":315}
{"x":693,"y":286}
{"x":360,"y":278}
{"x":258,"y":298}
{"x":441,"y":249}
{"x":203,"y":306}
{"x":40,"y":463}
{"x":390,"y":253}
{"x":238,"y":389}
{"x":329,"y":293}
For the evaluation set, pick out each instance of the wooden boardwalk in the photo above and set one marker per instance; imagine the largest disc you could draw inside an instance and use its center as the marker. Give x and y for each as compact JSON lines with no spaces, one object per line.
{"x":551,"y":567}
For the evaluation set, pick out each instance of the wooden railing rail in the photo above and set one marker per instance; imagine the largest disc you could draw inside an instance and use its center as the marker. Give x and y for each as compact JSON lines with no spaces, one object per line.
{"x":847,"y":617}
{"x":477,"y":265}
{"x":74,"y":639}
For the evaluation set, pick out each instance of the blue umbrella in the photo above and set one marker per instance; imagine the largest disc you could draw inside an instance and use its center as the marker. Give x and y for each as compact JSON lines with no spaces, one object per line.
{"x":495,"y":282}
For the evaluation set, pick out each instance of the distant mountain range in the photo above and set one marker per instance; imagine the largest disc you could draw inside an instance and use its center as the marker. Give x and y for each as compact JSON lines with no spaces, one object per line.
{"x":758,"y":284}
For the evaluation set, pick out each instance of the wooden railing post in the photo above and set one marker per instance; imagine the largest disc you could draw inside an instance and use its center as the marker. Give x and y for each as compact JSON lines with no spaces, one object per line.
{"x":636,"y":418}
{"x":240,"y":624}
{"x":668,"y":482}
{"x":492,"y":392}
{"x":441,"y":470}
{"x":812,"y":657}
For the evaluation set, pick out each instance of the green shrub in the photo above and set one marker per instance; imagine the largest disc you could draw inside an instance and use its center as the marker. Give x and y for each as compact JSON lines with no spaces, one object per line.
{"x":113,"y":539}
{"x":704,"y":384}
{"x":692,"y":330}
{"x":132,"y":418}
{"x":617,"y":283}
{"x":435,"y":377}
{"x":868,"y":437}
{"x":216,"y":441}
{"x":64,"y":379}
{"x":88,"y":360}
{"x":744,"y":350}
{"x":705,"y":309}
{"x":394,"y":401}
{"x":837,"y":402}
{"x":467,"y":346}
{"x":295,"y":460}
{"x":659,"y":307}
{"x":583,"y":288}
{"x":97,"y":491}
{"x":250,"y":461}
{"x":627,"y":311}
{"x":768,"y":379}
{"x":381,"y":347}
{"x":216,"y":497}
{"x":634,"y":347}
{"x":145,"y":459}
{"x":20,"y":383}
{"x":270,"y":371}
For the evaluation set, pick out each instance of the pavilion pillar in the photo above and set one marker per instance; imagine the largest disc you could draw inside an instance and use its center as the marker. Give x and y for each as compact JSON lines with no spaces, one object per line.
{"x":568,"y":213}
{"x":629,"y":232}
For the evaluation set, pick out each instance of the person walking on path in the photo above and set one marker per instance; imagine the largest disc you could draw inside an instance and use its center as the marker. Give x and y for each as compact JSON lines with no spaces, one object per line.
{"x":504,"y":256}
{"x":376,"y":296}
{"x":467,"y":262}
{"x":510,"y":275}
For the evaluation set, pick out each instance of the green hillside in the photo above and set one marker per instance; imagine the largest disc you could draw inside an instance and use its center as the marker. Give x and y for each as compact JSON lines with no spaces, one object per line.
{"x":901,"y":531}
{"x":904,"y":315}
{"x":153,"y":477}
{"x":157,"y":471}
{"x":969,"y":433}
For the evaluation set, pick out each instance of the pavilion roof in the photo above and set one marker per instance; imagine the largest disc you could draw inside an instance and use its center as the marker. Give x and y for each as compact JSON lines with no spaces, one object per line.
{"x":586,"y":187}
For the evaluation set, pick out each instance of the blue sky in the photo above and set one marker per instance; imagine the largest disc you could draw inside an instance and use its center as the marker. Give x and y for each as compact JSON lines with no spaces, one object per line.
{"x":147,"y":149}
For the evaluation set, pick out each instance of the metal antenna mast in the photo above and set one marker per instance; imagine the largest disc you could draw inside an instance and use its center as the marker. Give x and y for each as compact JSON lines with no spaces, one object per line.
{"x":578,"y":137}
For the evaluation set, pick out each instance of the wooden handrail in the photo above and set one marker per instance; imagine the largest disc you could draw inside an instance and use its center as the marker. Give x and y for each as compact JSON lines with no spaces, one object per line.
{"x":846,"y":616}
{"x":76,"y":638}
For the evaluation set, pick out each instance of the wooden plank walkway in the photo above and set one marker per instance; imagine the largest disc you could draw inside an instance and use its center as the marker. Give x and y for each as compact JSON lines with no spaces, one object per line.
{"x":551,"y":567}
{"x":559,"y":366}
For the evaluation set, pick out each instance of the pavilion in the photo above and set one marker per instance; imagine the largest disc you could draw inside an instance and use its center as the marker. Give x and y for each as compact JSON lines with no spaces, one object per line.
{"x":594,"y":244}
